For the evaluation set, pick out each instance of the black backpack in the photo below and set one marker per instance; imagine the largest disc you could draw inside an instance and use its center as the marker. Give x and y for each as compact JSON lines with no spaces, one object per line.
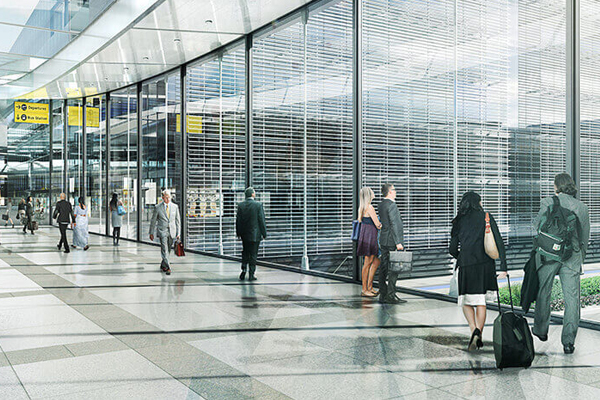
{"x":558,"y":229}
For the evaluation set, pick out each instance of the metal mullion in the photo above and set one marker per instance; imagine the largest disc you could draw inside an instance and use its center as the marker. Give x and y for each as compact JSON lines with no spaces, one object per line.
{"x":357,"y":120}
{"x":107,"y":166}
{"x":184,"y":156}
{"x":51,"y":159}
{"x":82,"y":176}
{"x":139,"y":161}
{"x":573,"y":134}
{"x":249,"y":111}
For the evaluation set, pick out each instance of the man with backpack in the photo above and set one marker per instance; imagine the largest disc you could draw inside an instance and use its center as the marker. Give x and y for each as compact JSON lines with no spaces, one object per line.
{"x":563,"y":233}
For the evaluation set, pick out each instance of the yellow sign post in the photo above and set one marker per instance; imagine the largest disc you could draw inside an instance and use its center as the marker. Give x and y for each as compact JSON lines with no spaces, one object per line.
{"x":32,"y":113}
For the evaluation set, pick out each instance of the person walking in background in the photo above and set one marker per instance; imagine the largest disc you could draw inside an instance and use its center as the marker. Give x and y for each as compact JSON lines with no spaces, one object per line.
{"x":21,"y":211}
{"x":28,"y":215}
{"x":63,"y":214}
{"x":7,"y":214}
{"x":569,"y":269}
{"x":477,"y":281}
{"x":167,"y":224}
{"x":250,"y":226}
{"x":368,"y":245}
{"x":391,"y":238}
{"x":116,"y":218}
{"x":80,"y":232}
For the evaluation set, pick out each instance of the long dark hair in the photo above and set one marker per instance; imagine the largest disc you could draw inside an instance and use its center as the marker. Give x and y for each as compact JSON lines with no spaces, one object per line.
{"x":470,"y":201}
{"x":113,"y":201}
{"x":81,"y":201}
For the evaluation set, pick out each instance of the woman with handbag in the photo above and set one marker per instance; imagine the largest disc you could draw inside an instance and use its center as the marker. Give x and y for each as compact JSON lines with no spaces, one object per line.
{"x":475,"y":243}
{"x":116,"y":217}
{"x":368,"y":246}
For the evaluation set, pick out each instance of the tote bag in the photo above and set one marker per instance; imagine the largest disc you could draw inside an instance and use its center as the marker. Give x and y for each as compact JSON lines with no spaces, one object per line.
{"x":489,"y":242}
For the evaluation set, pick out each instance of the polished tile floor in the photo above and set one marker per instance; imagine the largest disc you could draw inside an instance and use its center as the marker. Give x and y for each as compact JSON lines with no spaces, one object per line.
{"x":106,"y":324}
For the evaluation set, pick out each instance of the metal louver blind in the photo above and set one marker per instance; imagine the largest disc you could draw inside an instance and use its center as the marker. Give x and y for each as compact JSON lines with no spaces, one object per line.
{"x":590,"y":111}
{"x":538,"y":141}
{"x":482,"y":136}
{"x":216,"y":151}
{"x":408,"y":112}
{"x":278,"y":133}
{"x":329,"y":128}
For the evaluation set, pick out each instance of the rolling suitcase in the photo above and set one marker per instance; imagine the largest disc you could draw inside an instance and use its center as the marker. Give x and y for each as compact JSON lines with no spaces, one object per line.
{"x":513,"y":343}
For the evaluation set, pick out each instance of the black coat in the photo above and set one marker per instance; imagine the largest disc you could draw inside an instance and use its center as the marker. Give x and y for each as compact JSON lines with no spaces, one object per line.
{"x":29,"y":210}
{"x":531,"y":283}
{"x":250,"y":222}
{"x":392,"y":227}
{"x":63,"y":212}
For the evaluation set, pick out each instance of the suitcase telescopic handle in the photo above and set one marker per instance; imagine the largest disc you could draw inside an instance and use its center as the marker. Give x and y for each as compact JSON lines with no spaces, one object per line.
{"x":512,"y":307}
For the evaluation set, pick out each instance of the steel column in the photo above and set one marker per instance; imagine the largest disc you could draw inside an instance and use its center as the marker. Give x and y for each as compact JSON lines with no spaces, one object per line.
{"x":107,"y":168}
{"x":82,"y":176}
{"x":573,"y":91}
{"x":51,"y":152}
{"x":138,"y":197}
{"x":357,"y":121}
{"x":184,"y":160}
{"x":249,"y":149}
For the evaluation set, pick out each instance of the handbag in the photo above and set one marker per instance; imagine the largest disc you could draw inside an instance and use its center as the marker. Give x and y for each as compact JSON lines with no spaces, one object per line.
{"x":34,"y":225}
{"x":355,"y":230}
{"x":179,"y":252}
{"x":453,"y":291}
{"x":401,"y":261}
{"x":121,"y":210}
{"x":5,"y":217}
{"x":489,"y":243}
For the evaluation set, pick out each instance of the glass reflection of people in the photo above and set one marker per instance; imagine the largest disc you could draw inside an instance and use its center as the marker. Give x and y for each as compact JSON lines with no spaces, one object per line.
{"x":115,"y":218}
{"x":477,"y":282}
{"x":368,"y":244}
{"x":569,"y":271}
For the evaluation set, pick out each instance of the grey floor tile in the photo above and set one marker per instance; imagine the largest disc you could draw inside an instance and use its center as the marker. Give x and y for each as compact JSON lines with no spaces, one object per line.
{"x":37,"y":355}
{"x":96,"y":347}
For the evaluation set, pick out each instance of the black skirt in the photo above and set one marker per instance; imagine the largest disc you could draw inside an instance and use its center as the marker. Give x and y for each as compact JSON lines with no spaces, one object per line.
{"x":477,"y":281}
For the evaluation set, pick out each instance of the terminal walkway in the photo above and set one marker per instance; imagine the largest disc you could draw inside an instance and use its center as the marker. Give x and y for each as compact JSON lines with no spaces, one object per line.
{"x":107,"y":324}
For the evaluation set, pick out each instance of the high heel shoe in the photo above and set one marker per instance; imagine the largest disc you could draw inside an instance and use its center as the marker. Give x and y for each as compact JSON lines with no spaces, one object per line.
{"x":475,"y":336}
{"x":367,"y":294}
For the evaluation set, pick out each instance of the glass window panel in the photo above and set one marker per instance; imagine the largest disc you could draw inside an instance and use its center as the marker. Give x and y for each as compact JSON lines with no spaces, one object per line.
{"x":124,"y":155}
{"x":161,"y":145}
{"x":74,"y":149}
{"x":58,"y":151}
{"x":96,"y":190}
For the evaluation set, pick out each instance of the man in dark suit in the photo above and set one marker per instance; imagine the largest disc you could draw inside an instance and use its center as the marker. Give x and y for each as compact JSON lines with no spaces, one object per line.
{"x":390,"y":239}
{"x":63,"y":214}
{"x":250,"y":227}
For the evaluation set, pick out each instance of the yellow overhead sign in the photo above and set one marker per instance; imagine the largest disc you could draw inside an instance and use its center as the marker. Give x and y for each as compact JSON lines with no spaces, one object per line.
{"x":194,"y":124}
{"x":32,"y":113}
{"x":92,"y":116}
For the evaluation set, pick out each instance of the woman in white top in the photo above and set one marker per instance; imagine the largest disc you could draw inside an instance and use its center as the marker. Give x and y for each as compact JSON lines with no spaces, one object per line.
{"x":80,"y":232}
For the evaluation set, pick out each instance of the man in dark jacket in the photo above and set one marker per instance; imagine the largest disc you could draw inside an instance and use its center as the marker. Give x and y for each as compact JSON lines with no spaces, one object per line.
{"x":28,"y":215}
{"x":63,"y":213}
{"x":391,"y":239}
{"x":250,"y":227}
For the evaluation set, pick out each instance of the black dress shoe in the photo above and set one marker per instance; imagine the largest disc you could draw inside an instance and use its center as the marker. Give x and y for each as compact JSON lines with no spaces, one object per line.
{"x":251,"y":277}
{"x":390,"y":300}
{"x":569,"y":348}
{"x":67,"y":251}
{"x":543,"y":338}
{"x":59,"y":246}
{"x":399,"y":300}
{"x":242,"y":275}
{"x":168,"y":271}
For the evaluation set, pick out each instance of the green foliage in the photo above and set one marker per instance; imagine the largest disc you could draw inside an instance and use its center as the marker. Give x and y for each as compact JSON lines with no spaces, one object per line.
{"x":590,"y":294}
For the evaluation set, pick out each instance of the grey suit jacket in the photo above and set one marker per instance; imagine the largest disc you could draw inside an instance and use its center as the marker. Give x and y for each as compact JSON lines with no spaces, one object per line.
{"x":164,"y":225}
{"x":581,"y":210}
{"x":392,"y":227}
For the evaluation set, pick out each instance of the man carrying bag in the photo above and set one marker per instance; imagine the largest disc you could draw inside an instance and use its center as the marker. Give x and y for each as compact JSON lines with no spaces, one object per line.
{"x":390,"y":239}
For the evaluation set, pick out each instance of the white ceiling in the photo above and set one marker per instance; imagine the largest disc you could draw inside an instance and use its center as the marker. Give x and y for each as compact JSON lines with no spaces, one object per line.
{"x":137,"y":39}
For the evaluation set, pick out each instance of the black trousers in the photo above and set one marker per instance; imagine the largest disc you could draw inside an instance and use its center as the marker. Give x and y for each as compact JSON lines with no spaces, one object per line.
{"x":63,"y":235}
{"x":249,"y":255}
{"x":387,"y":279}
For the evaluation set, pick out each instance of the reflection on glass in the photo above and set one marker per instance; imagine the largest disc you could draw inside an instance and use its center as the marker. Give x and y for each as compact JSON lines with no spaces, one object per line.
{"x":58,"y":151}
{"x":96,"y":163}
{"x":124,"y":155}
{"x":161,"y":144}
{"x":74,"y":150}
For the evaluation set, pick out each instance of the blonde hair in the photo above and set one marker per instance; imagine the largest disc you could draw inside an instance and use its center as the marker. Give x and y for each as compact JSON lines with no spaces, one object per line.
{"x":365,"y":196}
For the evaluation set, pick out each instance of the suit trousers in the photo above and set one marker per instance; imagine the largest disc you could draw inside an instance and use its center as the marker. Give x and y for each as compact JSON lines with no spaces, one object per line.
{"x":166,"y":244}
{"x":249,"y":255}
{"x":63,"y":235}
{"x":387,"y":279}
{"x":571,"y":287}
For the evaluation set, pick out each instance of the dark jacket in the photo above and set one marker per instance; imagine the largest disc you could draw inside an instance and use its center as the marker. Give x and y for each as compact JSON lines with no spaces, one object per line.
{"x":392,"y":227}
{"x":21,"y":206}
{"x":250,"y":222}
{"x":29,"y":210}
{"x":531,"y":283}
{"x":469,"y":232}
{"x":63,"y":212}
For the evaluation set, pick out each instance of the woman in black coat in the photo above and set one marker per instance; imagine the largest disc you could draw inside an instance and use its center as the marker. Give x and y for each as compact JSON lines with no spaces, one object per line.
{"x":477,"y":281}
{"x":29,"y":215}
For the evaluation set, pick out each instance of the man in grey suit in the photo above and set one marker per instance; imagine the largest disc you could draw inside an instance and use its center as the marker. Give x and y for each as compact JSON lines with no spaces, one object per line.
{"x":391,"y":239}
{"x":167,"y":224}
{"x":251,"y":228}
{"x":569,"y":271}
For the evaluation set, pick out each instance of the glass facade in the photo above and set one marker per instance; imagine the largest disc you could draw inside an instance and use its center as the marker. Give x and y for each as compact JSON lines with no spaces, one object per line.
{"x":448,"y":96}
{"x":161,"y":145}
{"x":123,"y":171}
